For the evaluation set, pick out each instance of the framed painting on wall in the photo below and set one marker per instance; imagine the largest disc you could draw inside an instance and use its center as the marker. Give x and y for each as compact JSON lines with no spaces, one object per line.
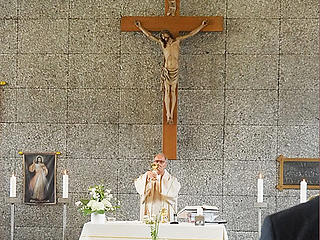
{"x":39,"y":178}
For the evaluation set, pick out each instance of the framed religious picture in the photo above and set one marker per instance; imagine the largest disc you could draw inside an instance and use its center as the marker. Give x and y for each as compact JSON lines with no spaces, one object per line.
{"x":293,"y":170}
{"x":39,"y":178}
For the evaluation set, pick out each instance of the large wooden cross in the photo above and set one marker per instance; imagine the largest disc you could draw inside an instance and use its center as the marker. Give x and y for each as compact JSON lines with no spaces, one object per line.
{"x":175,"y":23}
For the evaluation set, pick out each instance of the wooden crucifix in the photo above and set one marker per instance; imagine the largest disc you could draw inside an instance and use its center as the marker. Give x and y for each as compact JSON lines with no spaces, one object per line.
{"x":174,"y":23}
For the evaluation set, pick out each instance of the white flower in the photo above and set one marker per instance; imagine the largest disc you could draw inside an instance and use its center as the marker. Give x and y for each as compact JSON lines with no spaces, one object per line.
{"x":97,"y":206}
{"x":78,"y":203}
{"x":106,"y":203}
{"x":91,"y":203}
{"x":94,"y":195}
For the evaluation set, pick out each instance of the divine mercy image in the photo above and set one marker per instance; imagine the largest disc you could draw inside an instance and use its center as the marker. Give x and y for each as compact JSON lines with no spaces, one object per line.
{"x":40,"y":178}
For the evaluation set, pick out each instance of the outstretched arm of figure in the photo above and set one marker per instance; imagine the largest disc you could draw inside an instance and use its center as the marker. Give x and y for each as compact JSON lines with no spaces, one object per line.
{"x":146,"y":32}
{"x":194,"y":31}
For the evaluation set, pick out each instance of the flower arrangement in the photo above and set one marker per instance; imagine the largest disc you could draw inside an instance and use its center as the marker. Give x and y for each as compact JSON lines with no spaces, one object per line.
{"x":154,"y":222}
{"x":99,"y":202}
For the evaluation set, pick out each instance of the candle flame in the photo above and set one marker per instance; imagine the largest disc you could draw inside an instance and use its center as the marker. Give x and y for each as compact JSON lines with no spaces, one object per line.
{"x":65,"y":172}
{"x":12,"y":174}
{"x":260,"y":175}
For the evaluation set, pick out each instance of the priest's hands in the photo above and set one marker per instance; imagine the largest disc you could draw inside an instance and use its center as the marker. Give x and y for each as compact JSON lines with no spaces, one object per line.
{"x":151,"y":176}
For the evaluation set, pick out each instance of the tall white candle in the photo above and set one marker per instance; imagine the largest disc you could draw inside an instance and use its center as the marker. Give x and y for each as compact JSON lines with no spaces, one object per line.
{"x":13,"y":186}
{"x":260,"y":188}
{"x":65,"y":184}
{"x":303,"y":191}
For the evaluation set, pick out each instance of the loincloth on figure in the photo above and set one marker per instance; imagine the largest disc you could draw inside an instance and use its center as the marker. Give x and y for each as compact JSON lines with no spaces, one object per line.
{"x":169,"y":77}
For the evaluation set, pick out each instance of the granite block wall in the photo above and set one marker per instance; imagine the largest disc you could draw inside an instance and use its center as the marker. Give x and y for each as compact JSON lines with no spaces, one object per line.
{"x":78,"y":85}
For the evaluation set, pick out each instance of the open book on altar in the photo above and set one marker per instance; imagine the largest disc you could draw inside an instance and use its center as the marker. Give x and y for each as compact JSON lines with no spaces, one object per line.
{"x":188,"y":213}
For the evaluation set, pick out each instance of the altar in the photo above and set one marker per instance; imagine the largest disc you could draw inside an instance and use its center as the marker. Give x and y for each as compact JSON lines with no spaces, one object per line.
{"x":140,"y":231}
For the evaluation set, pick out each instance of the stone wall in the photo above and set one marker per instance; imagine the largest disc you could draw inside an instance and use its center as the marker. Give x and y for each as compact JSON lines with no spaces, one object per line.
{"x":77,"y":85}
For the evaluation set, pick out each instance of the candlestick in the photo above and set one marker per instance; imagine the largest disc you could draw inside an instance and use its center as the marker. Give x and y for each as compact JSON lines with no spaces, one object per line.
{"x":260,"y":189}
{"x":13,"y":186}
{"x":65,"y":184}
{"x":303,"y":191}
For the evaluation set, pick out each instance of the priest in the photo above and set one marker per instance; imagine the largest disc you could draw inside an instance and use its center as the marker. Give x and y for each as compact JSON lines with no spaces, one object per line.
{"x":158,"y":189}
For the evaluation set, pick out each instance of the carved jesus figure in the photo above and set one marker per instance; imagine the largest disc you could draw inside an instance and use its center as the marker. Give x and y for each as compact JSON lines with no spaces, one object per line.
{"x":169,"y":73}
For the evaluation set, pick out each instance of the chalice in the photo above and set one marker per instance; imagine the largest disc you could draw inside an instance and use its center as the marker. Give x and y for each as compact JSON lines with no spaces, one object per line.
{"x":154,"y":168}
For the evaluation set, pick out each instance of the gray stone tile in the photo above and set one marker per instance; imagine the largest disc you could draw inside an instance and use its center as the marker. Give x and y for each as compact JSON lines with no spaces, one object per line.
{"x":140,"y":106}
{"x":93,"y":106}
{"x":257,"y":107}
{"x":203,"y":8}
{"x":240,"y":212}
{"x":139,"y":141}
{"x":5,"y":230}
{"x":8,"y":9}
{"x":95,"y":9}
{"x":143,"y":8}
{"x":299,"y":8}
{"x":8,"y":33}
{"x":43,"y":36}
{"x":196,"y":107}
{"x":43,"y":9}
{"x":241,"y":177}
{"x":7,"y":105}
{"x":129,"y":170}
{"x":285,"y":202}
{"x":31,"y":215}
{"x":94,"y":71}
{"x":252,"y":72}
{"x":41,"y":105}
{"x":138,"y":43}
{"x":201,"y":177}
{"x":290,"y":197}
{"x":141,"y":71}
{"x":95,"y":172}
{"x":8,"y":69}
{"x":39,"y":137}
{"x":254,"y":9}
{"x":250,"y":143}
{"x":298,"y":141}
{"x":130,"y":207}
{"x":204,"y":43}
{"x":92,"y":141}
{"x":238,"y":235}
{"x":74,"y":233}
{"x":39,"y":233}
{"x":299,"y":72}
{"x":253,"y":36}
{"x":199,"y":142}
{"x":94,"y":36}
{"x":5,"y":217}
{"x":299,"y":107}
{"x":300,"y":36}
{"x":202,"y":72}
{"x":42,"y":71}
{"x":7,"y":141}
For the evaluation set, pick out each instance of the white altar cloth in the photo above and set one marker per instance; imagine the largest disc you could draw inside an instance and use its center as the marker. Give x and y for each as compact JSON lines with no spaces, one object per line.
{"x":140,"y":231}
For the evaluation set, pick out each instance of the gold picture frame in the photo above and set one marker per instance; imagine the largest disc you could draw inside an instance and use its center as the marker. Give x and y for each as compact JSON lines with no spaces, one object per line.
{"x":293,"y":170}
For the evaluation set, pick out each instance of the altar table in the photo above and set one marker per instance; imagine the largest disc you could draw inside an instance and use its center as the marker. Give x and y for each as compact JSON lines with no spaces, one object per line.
{"x":140,"y":231}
